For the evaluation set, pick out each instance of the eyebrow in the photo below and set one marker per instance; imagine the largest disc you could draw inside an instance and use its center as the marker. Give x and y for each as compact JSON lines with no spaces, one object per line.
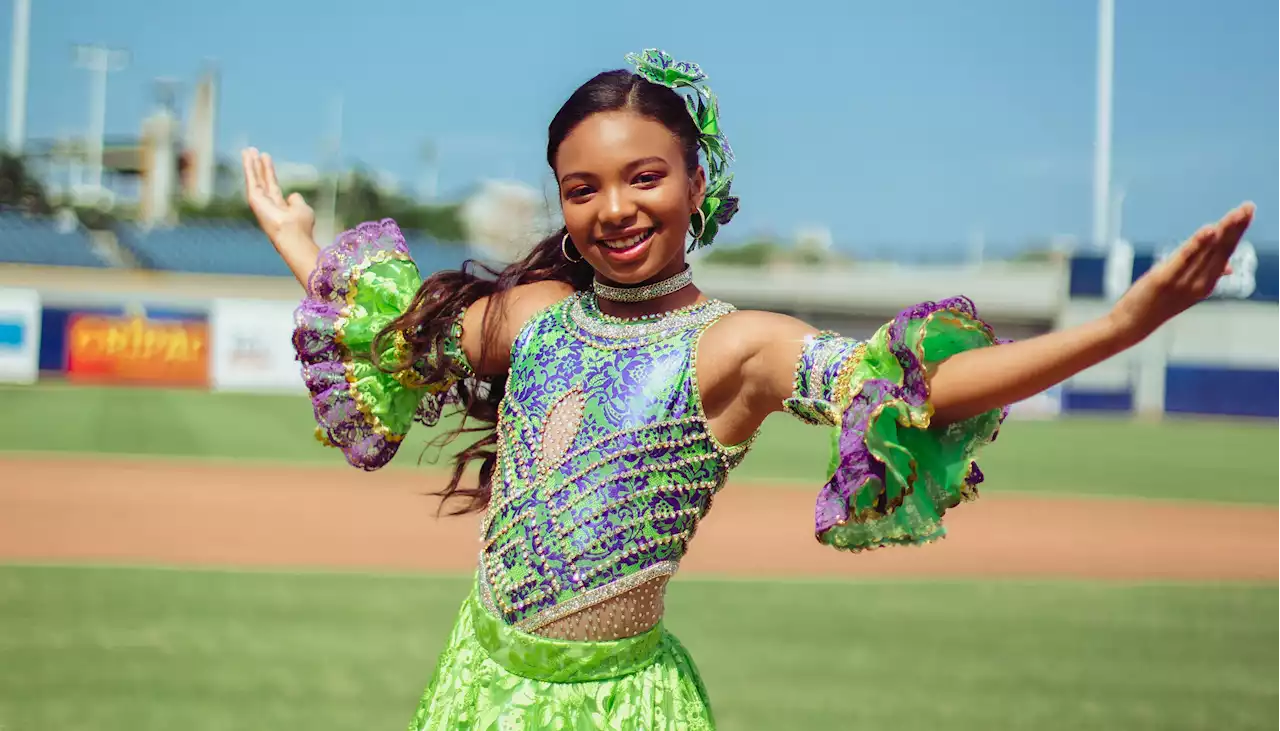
{"x":633,"y":164}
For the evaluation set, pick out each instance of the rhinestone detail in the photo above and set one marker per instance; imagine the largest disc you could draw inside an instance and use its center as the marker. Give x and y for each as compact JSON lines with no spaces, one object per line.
{"x":586,"y":317}
{"x":646,"y":292}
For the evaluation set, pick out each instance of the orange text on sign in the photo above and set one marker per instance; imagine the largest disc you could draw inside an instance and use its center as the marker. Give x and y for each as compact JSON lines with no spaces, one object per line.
{"x":137,"y":350}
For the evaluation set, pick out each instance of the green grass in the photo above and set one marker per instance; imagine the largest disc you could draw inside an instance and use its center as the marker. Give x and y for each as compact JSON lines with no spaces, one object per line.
{"x":112,"y":649}
{"x":1219,"y":460}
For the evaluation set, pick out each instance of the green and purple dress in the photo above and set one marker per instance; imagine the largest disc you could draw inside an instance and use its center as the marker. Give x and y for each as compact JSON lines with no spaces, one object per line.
{"x":605,"y":466}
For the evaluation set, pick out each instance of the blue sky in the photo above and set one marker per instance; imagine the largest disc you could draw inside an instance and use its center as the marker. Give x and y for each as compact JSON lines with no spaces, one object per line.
{"x":907,"y":124}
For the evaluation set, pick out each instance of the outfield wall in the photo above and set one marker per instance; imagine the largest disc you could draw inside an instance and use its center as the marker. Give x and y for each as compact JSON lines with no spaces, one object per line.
{"x":1222,"y":357}
{"x":233,"y":333}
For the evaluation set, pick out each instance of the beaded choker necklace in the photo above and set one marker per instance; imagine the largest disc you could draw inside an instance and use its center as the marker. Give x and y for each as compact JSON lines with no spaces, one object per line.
{"x":646,"y":292}
{"x":588,"y":320}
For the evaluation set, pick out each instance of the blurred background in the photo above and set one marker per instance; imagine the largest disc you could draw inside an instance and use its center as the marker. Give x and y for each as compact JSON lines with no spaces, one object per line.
{"x":177,"y":550}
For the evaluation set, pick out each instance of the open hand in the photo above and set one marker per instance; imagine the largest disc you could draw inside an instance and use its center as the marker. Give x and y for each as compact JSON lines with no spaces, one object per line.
{"x":280,"y":218}
{"x":1186,"y":277}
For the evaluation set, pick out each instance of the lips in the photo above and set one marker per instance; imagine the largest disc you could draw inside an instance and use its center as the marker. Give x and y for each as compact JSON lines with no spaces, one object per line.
{"x":623,"y":244}
{"x":629,"y":250}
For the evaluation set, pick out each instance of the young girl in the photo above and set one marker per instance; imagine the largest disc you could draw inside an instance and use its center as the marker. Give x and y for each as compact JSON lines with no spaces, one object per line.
{"x":616,"y":398}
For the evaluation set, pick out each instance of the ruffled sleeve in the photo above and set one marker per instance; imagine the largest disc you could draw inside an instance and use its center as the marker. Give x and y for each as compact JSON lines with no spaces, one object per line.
{"x":892,"y":477}
{"x":362,"y":282}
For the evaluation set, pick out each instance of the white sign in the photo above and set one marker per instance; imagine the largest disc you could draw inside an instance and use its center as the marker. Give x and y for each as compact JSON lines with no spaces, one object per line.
{"x":19,"y":336}
{"x":1242,"y":281}
{"x":252,"y":347}
{"x":1045,"y":405}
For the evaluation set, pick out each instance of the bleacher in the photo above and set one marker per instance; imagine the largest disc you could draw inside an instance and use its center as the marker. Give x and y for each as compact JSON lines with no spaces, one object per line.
{"x":222,"y":248}
{"x":241,"y":249}
{"x":44,"y":241}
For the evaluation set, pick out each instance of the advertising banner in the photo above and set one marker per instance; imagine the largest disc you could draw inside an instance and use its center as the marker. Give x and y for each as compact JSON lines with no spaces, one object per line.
{"x":19,"y":335}
{"x":123,"y":349}
{"x":1045,"y":405}
{"x":253,"y":346}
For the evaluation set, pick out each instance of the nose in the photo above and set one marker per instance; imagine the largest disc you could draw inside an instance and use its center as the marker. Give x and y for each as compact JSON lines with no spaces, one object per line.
{"x":619,"y":209}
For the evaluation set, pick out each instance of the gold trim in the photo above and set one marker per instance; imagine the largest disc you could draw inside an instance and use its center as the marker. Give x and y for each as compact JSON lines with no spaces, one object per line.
{"x":339,"y":336}
{"x":908,"y":417}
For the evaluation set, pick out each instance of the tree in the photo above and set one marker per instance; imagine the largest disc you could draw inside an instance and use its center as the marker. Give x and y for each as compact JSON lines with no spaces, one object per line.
{"x":752,"y":254}
{"x":359,"y":199}
{"x":19,"y":189}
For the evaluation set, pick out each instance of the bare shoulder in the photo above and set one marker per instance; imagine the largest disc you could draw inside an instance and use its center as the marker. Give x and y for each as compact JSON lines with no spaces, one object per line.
{"x":520,"y":303}
{"x":526,"y":300}
{"x":746,"y":368}
{"x":750,"y":332}
{"x":515,"y":308}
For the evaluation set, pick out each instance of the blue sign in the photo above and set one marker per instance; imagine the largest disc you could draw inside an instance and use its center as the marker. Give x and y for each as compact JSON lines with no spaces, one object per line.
{"x":1256,"y":275}
{"x":12,"y":334}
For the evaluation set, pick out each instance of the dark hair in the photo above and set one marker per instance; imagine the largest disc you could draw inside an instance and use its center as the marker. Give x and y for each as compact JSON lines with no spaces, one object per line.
{"x":446,"y":294}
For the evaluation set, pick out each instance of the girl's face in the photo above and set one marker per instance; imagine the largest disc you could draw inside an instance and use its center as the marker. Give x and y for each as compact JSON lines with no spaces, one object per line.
{"x":626,"y":196}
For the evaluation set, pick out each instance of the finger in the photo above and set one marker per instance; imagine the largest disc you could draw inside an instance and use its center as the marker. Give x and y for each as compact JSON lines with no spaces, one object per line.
{"x":247,"y":161}
{"x":1193,"y":249}
{"x":1194,"y":257}
{"x":1237,"y":222}
{"x":261,"y":171}
{"x":1230,"y":231}
{"x":255,"y":193}
{"x":272,"y":183}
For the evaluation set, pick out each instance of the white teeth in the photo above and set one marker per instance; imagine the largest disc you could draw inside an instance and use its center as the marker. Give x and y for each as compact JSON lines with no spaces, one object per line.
{"x":626,"y":243}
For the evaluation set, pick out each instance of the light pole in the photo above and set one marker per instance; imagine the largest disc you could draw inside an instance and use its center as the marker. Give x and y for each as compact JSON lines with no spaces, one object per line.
{"x":328,"y":209}
{"x":99,"y":60}
{"x":431,"y":160}
{"x":17,"y":129}
{"x":1102,"y":132}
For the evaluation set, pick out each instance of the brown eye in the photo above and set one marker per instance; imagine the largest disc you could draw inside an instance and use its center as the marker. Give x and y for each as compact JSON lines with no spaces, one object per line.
{"x":648,"y":178}
{"x":578,"y":192}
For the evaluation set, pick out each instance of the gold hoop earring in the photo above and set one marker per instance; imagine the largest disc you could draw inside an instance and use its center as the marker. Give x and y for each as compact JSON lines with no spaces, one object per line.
{"x":564,"y":249}
{"x":702,"y":229}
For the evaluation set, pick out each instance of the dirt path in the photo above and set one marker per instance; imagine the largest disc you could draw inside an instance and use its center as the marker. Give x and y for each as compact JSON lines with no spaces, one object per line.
{"x":171,"y":513}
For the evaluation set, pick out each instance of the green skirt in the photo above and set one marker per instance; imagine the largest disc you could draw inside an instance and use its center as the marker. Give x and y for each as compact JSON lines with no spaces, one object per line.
{"x":493,"y":676}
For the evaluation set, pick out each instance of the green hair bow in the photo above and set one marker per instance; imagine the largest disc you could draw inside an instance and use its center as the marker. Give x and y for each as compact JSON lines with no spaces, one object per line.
{"x":718,"y":207}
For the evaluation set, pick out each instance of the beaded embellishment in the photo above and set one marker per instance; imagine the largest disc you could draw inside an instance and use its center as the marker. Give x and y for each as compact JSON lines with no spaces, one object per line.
{"x":586,"y":315}
{"x":823,"y":378}
{"x":647,"y":292}
{"x":605,"y":466}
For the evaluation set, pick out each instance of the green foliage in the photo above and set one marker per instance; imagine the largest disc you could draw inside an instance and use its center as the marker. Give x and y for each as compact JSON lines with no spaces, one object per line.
{"x":764,"y":252}
{"x":219,"y":209}
{"x":19,"y":189}
{"x":359,"y":199}
{"x":751,"y":254}
{"x":95,"y":219}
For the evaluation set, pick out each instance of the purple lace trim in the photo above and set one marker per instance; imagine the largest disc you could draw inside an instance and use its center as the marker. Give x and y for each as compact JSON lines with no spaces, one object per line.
{"x":857,"y":465}
{"x":317,"y":342}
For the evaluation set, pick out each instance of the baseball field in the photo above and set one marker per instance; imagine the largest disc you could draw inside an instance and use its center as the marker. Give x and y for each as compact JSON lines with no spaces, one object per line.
{"x":177,"y":559}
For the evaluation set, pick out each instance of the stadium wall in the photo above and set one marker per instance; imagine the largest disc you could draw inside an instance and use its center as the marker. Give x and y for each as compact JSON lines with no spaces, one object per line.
{"x":1221,"y":358}
{"x":232,"y":333}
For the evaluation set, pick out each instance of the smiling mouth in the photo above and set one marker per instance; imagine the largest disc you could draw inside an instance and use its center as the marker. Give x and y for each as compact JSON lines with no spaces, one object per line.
{"x":629,"y":242}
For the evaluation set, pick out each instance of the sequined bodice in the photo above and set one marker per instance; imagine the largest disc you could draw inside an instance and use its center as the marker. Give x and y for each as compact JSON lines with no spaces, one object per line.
{"x":605,"y":467}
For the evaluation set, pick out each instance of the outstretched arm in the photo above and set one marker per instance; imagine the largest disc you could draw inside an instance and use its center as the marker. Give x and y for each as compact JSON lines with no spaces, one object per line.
{"x":367,"y":389}
{"x":289,"y":223}
{"x":978,"y":380}
{"x":910,"y":407}
{"x":981,"y":379}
